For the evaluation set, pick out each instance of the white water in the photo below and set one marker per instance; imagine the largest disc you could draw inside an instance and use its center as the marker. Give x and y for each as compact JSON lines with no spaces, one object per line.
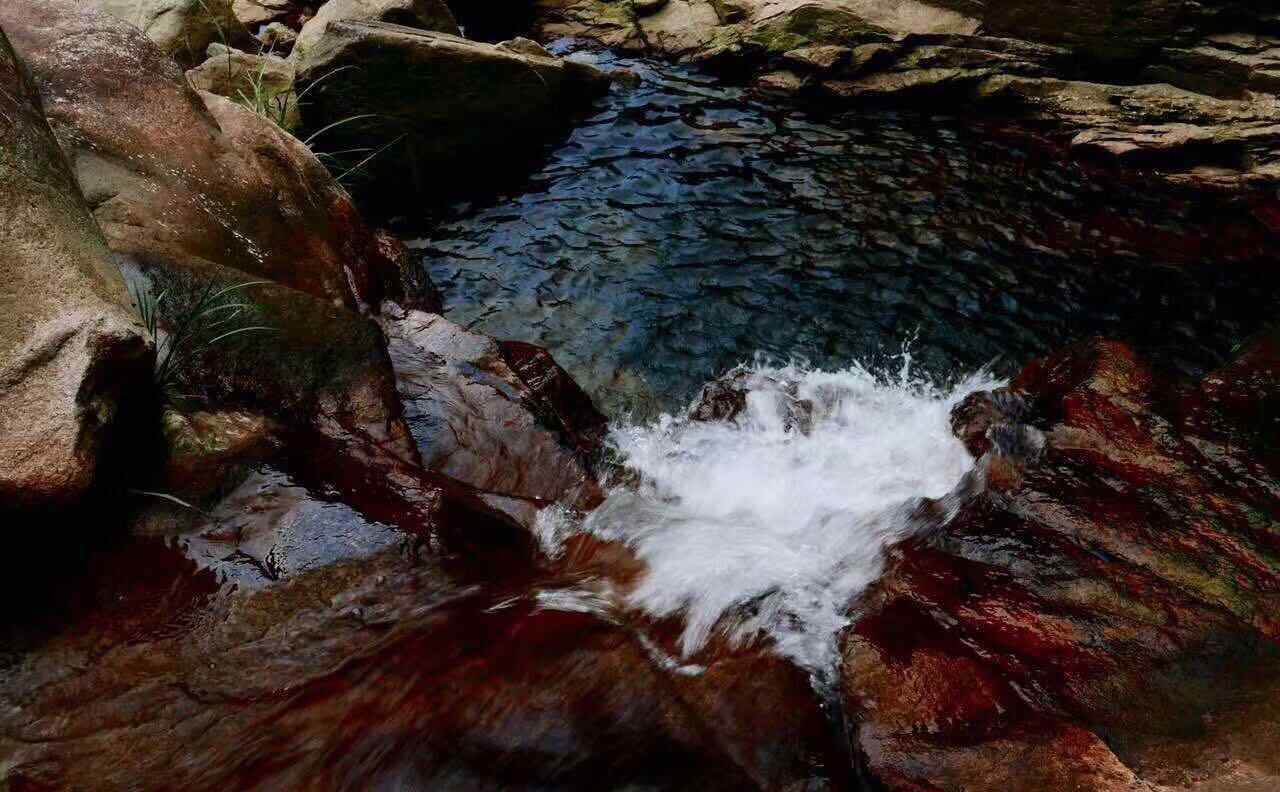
{"x":753,"y":528}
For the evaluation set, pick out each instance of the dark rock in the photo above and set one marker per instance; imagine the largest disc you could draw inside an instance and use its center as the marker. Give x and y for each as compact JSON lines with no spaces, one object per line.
{"x":447,"y":113}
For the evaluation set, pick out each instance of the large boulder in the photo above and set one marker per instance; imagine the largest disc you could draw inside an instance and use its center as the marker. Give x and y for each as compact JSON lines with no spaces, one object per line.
{"x":1101,"y":614}
{"x":70,"y":350}
{"x":442,"y":111}
{"x":424,"y":14}
{"x":181,"y":28}
{"x":173,"y":174}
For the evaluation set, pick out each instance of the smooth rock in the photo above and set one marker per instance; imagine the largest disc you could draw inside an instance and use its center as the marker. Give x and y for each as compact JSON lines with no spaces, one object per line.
{"x":424,"y":14}
{"x":172,"y":174}
{"x":71,"y":353}
{"x":444,"y":113}
{"x":183,"y":29}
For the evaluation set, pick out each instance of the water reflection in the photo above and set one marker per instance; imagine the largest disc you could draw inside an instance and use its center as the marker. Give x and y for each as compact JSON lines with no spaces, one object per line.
{"x":689,"y":225}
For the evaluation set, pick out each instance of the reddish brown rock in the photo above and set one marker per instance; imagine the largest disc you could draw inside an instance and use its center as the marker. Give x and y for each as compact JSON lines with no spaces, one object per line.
{"x":1112,"y":589}
{"x":174,"y":175}
{"x":499,"y":416}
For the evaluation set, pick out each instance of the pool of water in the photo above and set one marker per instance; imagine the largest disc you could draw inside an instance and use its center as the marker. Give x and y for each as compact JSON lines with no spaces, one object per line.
{"x":688,"y":225}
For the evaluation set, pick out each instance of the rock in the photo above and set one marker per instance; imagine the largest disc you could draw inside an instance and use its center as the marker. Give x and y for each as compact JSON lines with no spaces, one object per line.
{"x":172,"y":174}
{"x":442,"y":110}
{"x":317,"y":368}
{"x":278,"y":39}
{"x":255,"y":13}
{"x":499,"y":416}
{"x":262,"y":83}
{"x":1072,"y":74}
{"x":183,"y":29}
{"x":424,"y":14}
{"x":1108,"y":595}
{"x":208,"y":452}
{"x":72,"y":356}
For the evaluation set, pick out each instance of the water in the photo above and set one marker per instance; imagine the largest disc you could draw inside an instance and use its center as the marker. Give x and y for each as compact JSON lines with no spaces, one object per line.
{"x":689,"y":226}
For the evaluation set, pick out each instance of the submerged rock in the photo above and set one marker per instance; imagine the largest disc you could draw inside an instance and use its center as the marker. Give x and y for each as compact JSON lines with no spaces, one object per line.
{"x":443,"y":112}
{"x":172,"y":174}
{"x":72,"y":355}
{"x":1110,"y":593}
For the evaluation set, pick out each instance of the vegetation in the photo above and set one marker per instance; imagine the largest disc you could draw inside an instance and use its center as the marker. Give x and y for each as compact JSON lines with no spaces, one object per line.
{"x":183,"y":329}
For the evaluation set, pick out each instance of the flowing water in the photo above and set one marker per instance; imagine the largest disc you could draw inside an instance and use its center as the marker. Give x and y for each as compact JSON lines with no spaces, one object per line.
{"x":880,"y":264}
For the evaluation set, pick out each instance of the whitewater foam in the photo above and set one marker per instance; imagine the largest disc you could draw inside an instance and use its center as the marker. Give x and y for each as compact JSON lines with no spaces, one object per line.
{"x":772,"y":523}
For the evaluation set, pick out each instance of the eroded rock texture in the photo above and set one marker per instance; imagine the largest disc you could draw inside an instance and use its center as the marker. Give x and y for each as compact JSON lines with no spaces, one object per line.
{"x":1092,"y":618}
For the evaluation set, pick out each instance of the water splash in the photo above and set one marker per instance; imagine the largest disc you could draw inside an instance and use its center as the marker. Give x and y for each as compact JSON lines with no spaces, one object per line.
{"x":772,"y":522}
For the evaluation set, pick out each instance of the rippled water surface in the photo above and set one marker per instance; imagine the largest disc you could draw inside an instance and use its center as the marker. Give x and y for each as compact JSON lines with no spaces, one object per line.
{"x":687,"y":226}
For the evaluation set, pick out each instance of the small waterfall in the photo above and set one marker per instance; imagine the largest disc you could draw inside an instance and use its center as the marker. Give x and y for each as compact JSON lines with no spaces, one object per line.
{"x":770,"y":523}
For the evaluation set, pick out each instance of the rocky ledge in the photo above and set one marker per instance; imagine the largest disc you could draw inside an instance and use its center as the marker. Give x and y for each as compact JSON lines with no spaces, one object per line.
{"x":1184,"y":89}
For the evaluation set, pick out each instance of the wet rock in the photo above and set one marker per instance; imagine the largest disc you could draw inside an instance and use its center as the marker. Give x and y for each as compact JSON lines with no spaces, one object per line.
{"x":499,"y":416}
{"x":208,"y":452}
{"x":423,"y":14}
{"x":181,"y":28}
{"x":264,"y":83}
{"x":71,"y":353}
{"x":176,"y":175}
{"x":441,"y":109}
{"x":1109,"y":592}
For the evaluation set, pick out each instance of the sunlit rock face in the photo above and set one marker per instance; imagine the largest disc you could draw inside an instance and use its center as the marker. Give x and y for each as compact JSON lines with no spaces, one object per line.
{"x":71,"y":353}
{"x":1111,"y":594}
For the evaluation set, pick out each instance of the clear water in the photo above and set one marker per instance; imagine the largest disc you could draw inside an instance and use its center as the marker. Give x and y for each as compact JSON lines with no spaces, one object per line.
{"x":689,"y":226}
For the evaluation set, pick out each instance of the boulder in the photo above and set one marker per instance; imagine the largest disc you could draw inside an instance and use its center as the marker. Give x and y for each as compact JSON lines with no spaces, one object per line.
{"x":72,"y":355}
{"x":319,"y":369}
{"x":444,"y":113}
{"x":173,"y":174}
{"x":424,"y":14}
{"x":1100,"y":614}
{"x":262,"y":83}
{"x":182,"y":29}
{"x":253,"y":14}
{"x":499,"y":416}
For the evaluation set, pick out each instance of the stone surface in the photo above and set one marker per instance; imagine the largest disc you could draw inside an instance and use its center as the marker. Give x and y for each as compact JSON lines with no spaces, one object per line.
{"x":423,"y":14}
{"x":172,"y":174}
{"x":183,"y":29}
{"x":444,"y":113}
{"x":500,"y":416}
{"x":70,"y":350}
{"x":1109,"y":593}
{"x":262,"y":83}
{"x":1187,"y":90}
{"x":255,"y":13}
